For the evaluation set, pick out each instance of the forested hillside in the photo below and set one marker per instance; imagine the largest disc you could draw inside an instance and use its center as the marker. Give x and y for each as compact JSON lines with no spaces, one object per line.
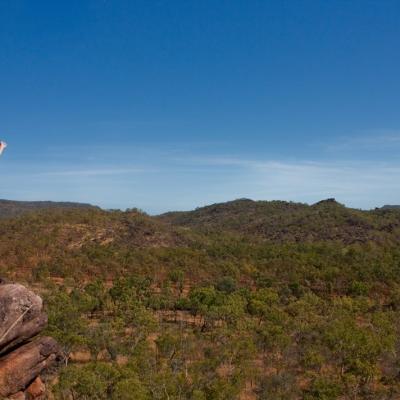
{"x":388,"y":206}
{"x":11,"y":208}
{"x":281,"y":221}
{"x":241,"y":300}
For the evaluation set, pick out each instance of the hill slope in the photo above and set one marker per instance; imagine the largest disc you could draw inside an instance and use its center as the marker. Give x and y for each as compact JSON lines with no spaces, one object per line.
{"x":10,"y":208}
{"x":280,"y":221}
{"x":390,"y":207}
{"x":243,"y":300}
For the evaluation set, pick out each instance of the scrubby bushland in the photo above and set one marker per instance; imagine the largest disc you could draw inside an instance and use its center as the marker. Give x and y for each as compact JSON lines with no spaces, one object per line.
{"x":240,"y":300}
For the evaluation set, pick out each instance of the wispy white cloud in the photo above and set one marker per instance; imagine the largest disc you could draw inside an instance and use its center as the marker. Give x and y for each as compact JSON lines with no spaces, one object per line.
{"x":368,"y":140}
{"x":359,"y":184}
{"x":163,"y":179}
{"x":93,"y":172}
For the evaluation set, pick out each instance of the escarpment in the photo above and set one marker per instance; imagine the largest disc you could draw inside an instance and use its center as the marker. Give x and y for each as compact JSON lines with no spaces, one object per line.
{"x":23,"y":355}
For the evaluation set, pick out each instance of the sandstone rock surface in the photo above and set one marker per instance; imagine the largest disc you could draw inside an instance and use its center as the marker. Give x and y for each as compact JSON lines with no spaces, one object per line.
{"x":21,"y":315}
{"x":23,"y":356}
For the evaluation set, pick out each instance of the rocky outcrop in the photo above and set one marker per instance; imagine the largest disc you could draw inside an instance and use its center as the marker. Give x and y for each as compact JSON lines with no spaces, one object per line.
{"x":23,"y":355}
{"x":21,"y":315}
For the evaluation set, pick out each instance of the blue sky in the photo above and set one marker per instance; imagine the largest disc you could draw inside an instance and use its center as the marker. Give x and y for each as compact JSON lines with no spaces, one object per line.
{"x":169,"y":105}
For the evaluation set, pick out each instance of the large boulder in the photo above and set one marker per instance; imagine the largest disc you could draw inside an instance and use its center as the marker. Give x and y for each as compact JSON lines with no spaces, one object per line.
{"x":23,"y":356}
{"x":20,"y":367}
{"x":21,"y":315}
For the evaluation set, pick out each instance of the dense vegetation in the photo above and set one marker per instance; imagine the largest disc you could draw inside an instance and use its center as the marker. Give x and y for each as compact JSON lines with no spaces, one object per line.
{"x":242,"y":300}
{"x":280,"y":221}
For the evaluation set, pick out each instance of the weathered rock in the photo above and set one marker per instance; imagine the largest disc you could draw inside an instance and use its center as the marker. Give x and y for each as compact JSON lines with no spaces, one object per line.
{"x":18,"y":396}
{"x":82,"y":356}
{"x":21,"y":315}
{"x":22,"y":358}
{"x":36,"y":390}
{"x":20,"y":367}
{"x":122,"y":360}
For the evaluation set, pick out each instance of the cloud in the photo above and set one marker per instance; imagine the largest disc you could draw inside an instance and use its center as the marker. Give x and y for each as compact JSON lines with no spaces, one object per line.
{"x":359,"y":184}
{"x":369,"y":140}
{"x":93,"y":172}
{"x":160,"y":180}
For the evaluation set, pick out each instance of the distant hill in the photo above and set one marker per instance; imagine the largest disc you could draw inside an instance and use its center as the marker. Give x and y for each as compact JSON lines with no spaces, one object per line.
{"x":390,"y":207}
{"x":253,"y":221}
{"x":281,"y":221}
{"x":11,"y":208}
